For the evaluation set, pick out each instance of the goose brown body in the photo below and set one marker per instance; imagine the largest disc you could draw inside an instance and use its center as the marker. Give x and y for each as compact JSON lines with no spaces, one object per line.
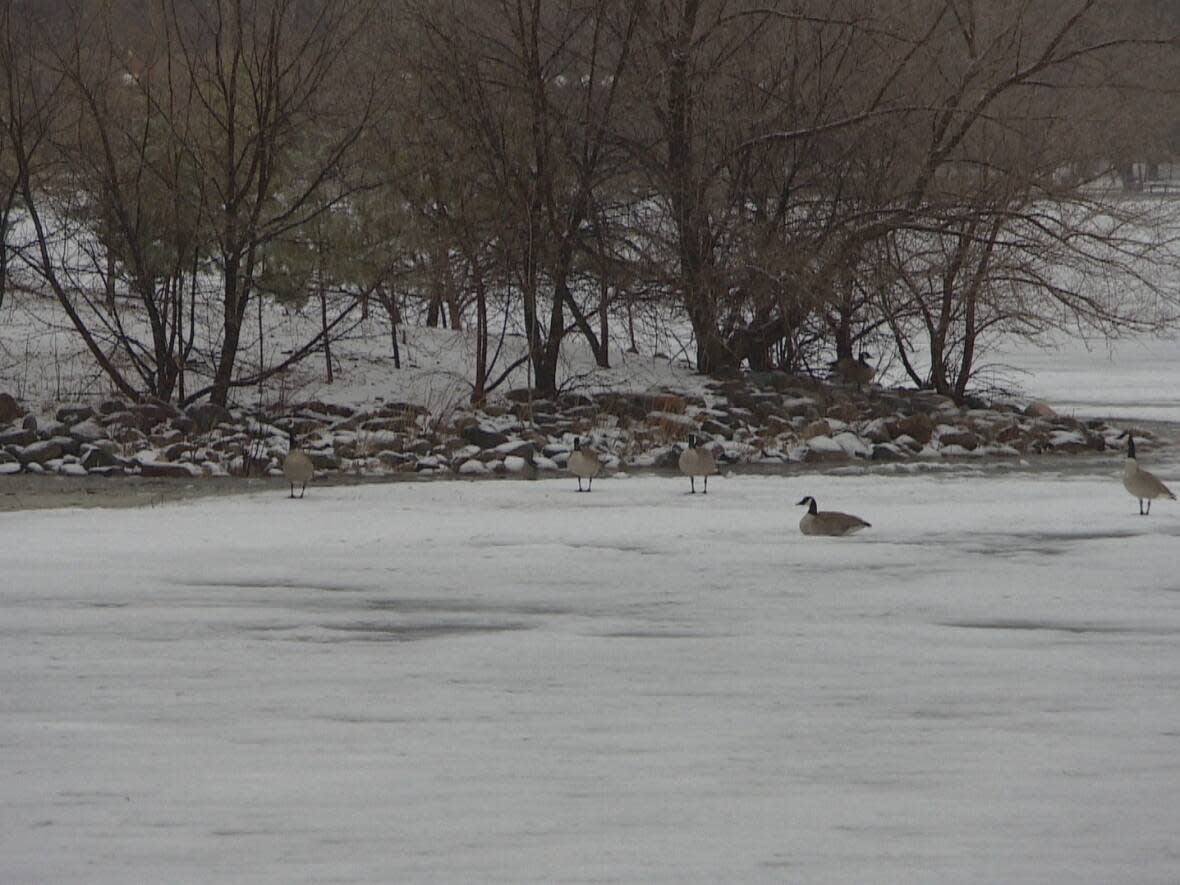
{"x":858,"y":371}
{"x":1142,"y":484}
{"x":828,"y":522}
{"x":584,"y":464}
{"x":297,"y":468}
{"x":695,"y":461}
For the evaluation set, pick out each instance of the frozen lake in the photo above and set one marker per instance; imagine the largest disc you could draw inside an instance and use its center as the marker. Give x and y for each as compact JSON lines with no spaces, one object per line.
{"x":511,"y":682}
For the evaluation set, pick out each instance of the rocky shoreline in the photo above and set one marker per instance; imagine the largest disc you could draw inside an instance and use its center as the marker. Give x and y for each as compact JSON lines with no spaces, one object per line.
{"x":752,"y":419}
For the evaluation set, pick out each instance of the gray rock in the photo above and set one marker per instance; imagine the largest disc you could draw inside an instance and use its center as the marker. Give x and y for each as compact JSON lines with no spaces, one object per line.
{"x":29,"y":423}
{"x":96,"y":459}
{"x":517,"y":449}
{"x":88,"y":430}
{"x":888,"y":452}
{"x":10,"y":409}
{"x":484,"y":437}
{"x":324,"y":460}
{"x":206,"y":416}
{"x":73,"y":414}
{"x":156,"y":412}
{"x":39,"y":452}
{"x":67,"y":444}
{"x":669,"y":459}
{"x":169,"y":471}
{"x":716,"y":428}
{"x":177,"y":451}
{"x":17,"y":437}
{"x":964,"y":438}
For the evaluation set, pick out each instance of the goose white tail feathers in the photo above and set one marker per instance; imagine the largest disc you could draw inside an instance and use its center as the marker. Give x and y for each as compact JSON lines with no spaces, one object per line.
{"x":828,"y":522}
{"x":1142,"y":484}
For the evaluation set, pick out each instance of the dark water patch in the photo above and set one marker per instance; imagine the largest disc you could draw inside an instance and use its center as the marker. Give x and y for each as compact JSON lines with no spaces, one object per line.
{"x":419,"y":605}
{"x":1080,"y":629}
{"x":334,"y":633}
{"x":275,"y":584}
{"x":658,"y":634}
{"x":640,"y":549}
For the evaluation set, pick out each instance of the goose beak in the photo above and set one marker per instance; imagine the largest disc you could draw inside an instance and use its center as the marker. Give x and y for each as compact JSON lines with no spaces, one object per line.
{"x":801,"y":503}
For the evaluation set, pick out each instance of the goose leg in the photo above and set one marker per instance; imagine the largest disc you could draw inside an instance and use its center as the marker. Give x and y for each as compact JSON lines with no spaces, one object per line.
{"x":693,"y":485}
{"x":706,"y":485}
{"x":292,"y":490}
{"x":590,"y":484}
{"x":302,"y":489}
{"x":579,"y":483}
{"x":1148,"y":507}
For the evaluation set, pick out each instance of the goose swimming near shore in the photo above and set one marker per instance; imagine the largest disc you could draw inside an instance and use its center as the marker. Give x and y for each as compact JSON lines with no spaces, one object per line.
{"x":1141,"y":483}
{"x":829,"y":522}
{"x":297,"y":466}
{"x":584,"y":464}
{"x":695,"y":461}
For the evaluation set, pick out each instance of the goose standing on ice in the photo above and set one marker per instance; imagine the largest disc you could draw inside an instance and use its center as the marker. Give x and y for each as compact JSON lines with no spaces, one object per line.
{"x":584,"y":464}
{"x":297,"y":466}
{"x":820,"y":522}
{"x":695,"y":461}
{"x":1140,"y":483}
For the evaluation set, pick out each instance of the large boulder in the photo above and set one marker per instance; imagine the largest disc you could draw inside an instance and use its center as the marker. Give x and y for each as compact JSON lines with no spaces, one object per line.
{"x":73,"y":414}
{"x":10,"y":409}
{"x":18,"y":436}
{"x":96,"y":458}
{"x":87,"y":430}
{"x":161,"y":469}
{"x":483,"y":436}
{"x":964,"y":438}
{"x":1040,"y":410}
{"x":919,"y":426}
{"x":206,"y":416}
{"x":39,"y":452}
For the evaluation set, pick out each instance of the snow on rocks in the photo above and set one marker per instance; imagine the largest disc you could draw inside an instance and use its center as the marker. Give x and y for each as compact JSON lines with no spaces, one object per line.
{"x":753,"y":418}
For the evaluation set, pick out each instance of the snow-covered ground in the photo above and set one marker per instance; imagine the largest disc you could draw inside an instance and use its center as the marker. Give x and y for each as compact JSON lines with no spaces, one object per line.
{"x":510,"y":682}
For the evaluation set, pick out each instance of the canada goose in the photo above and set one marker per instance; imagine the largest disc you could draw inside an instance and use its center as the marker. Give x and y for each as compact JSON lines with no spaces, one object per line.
{"x":297,"y":467}
{"x":857,"y":372}
{"x":584,"y":463}
{"x":817,"y":522}
{"x":1140,"y":483}
{"x":696,"y":462}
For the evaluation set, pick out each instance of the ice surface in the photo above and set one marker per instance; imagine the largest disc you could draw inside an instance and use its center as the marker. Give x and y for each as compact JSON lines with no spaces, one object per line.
{"x":507,"y":681}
